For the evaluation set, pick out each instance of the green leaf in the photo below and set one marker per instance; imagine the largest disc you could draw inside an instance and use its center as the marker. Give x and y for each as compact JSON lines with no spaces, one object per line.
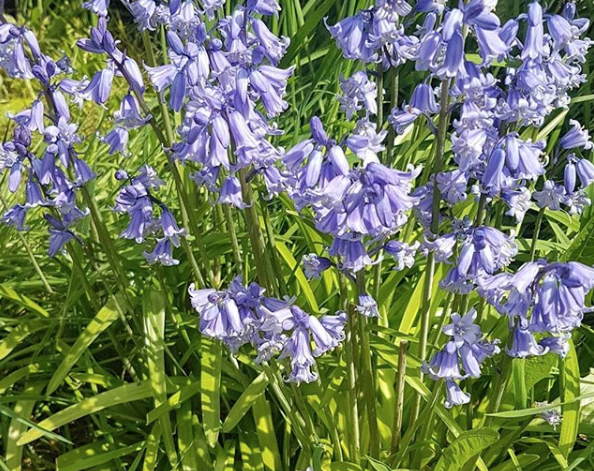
{"x":571,"y":410}
{"x":245,"y":401}
{"x":468,"y":445}
{"x":582,"y":243}
{"x":152,"y":448}
{"x":38,"y":428}
{"x":266,"y":434}
{"x":343,"y":466}
{"x":17,"y":335}
{"x":210,"y":379}
{"x":104,"y":318}
{"x":304,"y":283}
{"x":153,"y":307}
{"x":174,"y":401}
{"x":22,"y":408}
{"x":128,"y":393}
{"x":24,"y":301}
{"x":298,"y":41}
{"x":378,"y":465}
{"x":94,"y":454}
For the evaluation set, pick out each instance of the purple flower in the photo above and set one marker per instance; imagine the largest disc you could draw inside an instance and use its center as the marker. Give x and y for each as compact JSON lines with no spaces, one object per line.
{"x":453,"y":185}
{"x":524,"y":345}
{"x":551,"y":196}
{"x":162,"y":254}
{"x":454,"y":395}
{"x":352,"y":253}
{"x":315,"y":265}
{"x":219,"y":316}
{"x":463,"y":329}
{"x":403,"y":253}
{"x":576,"y":137}
{"x":99,"y":7}
{"x":367,"y":306}
{"x":358,"y":93}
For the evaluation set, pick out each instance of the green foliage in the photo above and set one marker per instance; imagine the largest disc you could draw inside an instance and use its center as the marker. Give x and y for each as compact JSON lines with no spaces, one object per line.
{"x":96,"y":377}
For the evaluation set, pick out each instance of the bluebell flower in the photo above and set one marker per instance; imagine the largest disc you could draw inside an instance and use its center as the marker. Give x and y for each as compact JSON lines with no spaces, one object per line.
{"x":99,"y":7}
{"x":558,"y":345}
{"x":15,"y":217}
{"x":230,"y":193}
{"x":453,"y":185}
{"x":358,"y":93}
{"x":315,"y":265}
{"x":463,"y":329}
{"x":461,"y":357}
{"x":352,"y":253}
{"x":524,"y":344}
{"x":534,"y":43}
{"x":552,"y":196}
{"x":576,"y":137}
{"x":518,"y":202}
{"x":445,"y":364}
{"x":454,"y":395}
{"x":117,"y":139}
{"x":144,"y":13}
{"x":264,"y":7}
{"x":453,"y":57}
{"x":162,"y":253}
{"x":61,"y":229}
{"x":403,"y":253}
{"x":486,"y":249}
{"x":585,"y":172}
{"x":367,"y":306}
{"x":352,"y":35}
{"x":220,"y":317}
{"x":366,"y":142}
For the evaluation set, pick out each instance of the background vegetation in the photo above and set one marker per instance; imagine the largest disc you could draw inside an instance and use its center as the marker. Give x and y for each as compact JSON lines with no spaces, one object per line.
{"x":141,"y":390}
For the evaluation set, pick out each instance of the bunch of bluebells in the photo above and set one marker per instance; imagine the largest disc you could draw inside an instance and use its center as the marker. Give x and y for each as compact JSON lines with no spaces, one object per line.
{"x":544,"y":299}
{"x":243,"y":315}
{"x":138,"y":200}
{"x":359,"y":207}
{"x":498,"y":157}
{"x":41,"y":158}
{"x":461,"y":357}
{"x":220,"y":78}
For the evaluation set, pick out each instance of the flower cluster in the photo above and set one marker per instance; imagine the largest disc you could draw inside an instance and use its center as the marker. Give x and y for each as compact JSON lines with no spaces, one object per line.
{"x":541,"y":298}
{"x":138,"y":200}
{"x":242,"y":314}
{"x":461,"y":357}
{"x":219,"y":78}
{"x":42,"y":155}
{"x":357,"y":206}
{"x":491,"y":109}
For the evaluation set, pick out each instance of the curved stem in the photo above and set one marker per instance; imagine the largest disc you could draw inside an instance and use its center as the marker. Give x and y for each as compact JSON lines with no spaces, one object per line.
{"x":438,"y":162}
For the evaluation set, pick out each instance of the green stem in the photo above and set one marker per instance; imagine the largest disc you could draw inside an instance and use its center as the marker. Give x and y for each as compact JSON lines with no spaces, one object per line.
{"x":367,"y":379}
{"x":335,"y":437}
{"x":399,"y":409}
{"x":353,"y":410}
{"x":537,"y":228}
{"x":498,"y":389}
{"x":230,"y":223}
{"x":394,"y":79}
{"x":296,"y":421}
{"x":438,"y":162}
{"x":255,"y":232}
{"x":380,"y":96}
{"x":278,"y":273}
{"x":30,"y":254}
